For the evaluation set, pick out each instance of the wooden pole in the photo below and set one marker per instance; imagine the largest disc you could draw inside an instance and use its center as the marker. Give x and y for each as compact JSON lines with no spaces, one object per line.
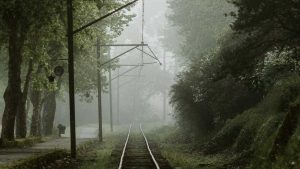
{"x":71,"y":78}
{"x":99,"y":85}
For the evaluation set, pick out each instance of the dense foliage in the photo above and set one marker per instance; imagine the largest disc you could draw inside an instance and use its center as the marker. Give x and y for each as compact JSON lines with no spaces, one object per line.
{"x":227,"y":84}
{"x":33,"y":43}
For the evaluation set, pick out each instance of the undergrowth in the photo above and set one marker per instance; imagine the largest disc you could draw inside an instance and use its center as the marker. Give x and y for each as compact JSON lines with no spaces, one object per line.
{"x":244,"y":141}
{"x":21,"y":143}
{"x":100,"y":155}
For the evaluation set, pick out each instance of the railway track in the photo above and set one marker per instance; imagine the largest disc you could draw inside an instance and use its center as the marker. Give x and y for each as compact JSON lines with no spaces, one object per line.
{"x":137,"y":153}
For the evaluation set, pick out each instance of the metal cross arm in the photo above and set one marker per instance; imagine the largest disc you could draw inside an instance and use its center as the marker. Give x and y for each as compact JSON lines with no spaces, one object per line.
{"x":103,"y":17}
{"x":142,"y":64}
{"x":129,"y":65}
{"x":152,"y":56}
{"x":123,"y":45}
{"x":118,"y":56}
{"x":148,"y":54}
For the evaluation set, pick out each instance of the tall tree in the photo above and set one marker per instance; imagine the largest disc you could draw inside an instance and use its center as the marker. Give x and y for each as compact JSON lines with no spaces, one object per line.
{"x":18,"y":18}
{"x":21,"y":117}
{"x":85,"y":60}
{"x":261,"y":27}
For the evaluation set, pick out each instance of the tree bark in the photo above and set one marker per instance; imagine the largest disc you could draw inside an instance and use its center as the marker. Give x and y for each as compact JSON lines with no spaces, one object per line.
{"x":49,"y":113}
{"x":50,"y":110}
{"x":13,"y":93}
{"x":36,"y":97}
{"x":36,"y":100}
{"x":21,"y":127}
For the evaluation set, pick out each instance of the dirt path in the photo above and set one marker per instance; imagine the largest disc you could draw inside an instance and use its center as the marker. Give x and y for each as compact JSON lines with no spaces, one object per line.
{"x":10,"y":155}
{"x":84,"y":134}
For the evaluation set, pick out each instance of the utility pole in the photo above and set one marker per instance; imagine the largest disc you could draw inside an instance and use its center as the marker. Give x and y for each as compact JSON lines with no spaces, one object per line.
{"x":99,"y":85}
{"x":110,"y":94}
{"x":70,"y":34}
{"x":118,"y":97}
{"x":164,"y":92}
{"x":71,"y":78}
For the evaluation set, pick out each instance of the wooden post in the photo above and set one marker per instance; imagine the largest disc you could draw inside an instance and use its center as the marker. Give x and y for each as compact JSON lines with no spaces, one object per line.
{"x":71,"y":78}
{"x":99,"y":85}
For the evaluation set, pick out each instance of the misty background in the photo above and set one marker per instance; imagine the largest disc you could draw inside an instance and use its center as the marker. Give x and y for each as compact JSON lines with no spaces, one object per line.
{"x":142,"y":90}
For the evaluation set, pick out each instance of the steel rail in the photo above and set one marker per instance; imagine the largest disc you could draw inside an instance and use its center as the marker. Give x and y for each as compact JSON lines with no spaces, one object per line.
{"x":124,"y":149}
{"x":149,"y":150}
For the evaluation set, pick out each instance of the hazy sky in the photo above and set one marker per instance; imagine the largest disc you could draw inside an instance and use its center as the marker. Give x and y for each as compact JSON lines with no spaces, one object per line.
{"x":155,"y":11}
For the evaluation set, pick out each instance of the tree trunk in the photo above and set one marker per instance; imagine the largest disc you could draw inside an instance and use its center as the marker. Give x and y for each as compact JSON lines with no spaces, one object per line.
{"x":21,"y":128}
{"x":36,"y":100}
{"x":49,"y":113}
{"x":36,"y":97}
{"x":50,"y":110}
{"x":13,"y":93}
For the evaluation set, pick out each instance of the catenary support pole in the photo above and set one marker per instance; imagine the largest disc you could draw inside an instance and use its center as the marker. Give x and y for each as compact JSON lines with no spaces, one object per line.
{"x":164,"y":92}
{"x":99,"y":85}
{"x":118,"y":97}
{"x":70,"y":34}
{"x":110,"y":95}
{"x":71,"y":78}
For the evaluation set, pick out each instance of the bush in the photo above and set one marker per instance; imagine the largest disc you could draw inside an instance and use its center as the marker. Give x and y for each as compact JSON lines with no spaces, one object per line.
{"x":251,"y":129}
{"x":50,"y":160}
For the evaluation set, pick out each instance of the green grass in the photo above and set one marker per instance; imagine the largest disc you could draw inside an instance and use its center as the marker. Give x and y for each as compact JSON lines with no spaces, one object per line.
{"x":41,"y":161}
{"x":185,"y":160}
{"x":185,"y":155}
{"x":92,"y":154}
{"x":99,"y":155}
{"x":22,"y":143}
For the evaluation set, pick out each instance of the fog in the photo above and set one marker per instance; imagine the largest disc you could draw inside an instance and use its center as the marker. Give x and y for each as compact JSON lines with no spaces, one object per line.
{"x":141,"y":90}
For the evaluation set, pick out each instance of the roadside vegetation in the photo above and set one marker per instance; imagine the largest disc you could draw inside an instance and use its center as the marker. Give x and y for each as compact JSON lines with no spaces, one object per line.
{"x":236,"y":99}
{"x":52,"y":160}
{"x":90,"y":155}
{"x":21,"y":143}
{"x":101,"y":155}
